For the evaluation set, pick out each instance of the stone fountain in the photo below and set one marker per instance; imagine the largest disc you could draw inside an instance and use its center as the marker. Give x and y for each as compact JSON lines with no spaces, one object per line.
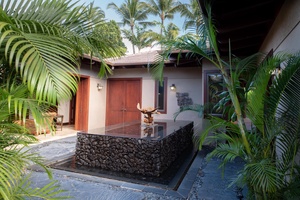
{"x":133,"y":147}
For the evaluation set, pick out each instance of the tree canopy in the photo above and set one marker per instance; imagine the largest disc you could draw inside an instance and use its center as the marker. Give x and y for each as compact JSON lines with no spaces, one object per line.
{"x":135,"y":13}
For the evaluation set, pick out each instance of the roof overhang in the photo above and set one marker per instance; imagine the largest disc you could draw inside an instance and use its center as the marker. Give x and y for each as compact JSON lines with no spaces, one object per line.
{"x":148,"y":59}
{"x":244,"y":24}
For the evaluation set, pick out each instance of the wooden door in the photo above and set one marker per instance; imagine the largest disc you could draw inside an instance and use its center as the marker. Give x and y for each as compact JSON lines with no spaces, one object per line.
{"x":122,"y":97}
{"x":82,"y":104}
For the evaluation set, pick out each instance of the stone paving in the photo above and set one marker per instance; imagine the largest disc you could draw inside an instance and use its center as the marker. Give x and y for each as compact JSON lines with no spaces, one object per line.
{"x":203,"y":181}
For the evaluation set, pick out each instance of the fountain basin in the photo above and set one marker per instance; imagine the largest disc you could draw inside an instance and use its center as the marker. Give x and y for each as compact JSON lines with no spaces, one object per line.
{"x":134,"y":148}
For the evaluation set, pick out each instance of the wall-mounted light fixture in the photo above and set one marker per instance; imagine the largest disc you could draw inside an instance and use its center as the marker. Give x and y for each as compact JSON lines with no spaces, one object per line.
{"x":99,"y":87}
{"x":173,"y":87}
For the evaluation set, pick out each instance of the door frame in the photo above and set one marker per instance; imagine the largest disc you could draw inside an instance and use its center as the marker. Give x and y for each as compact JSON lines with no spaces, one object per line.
{"x":82,"y":104}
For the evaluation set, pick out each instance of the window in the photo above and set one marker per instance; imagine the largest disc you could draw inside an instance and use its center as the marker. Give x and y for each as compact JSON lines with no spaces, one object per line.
{"x":214,"y":85}
{"x":161,"y":95}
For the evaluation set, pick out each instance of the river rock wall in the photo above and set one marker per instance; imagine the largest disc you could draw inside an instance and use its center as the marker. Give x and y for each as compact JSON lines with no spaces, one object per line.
{"x":132,"y":155}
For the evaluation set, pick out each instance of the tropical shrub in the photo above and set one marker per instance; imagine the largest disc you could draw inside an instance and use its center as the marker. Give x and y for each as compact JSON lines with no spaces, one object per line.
{"x":15,"y":157}
{"x":270,"y":149}
{"x":41,"y":42}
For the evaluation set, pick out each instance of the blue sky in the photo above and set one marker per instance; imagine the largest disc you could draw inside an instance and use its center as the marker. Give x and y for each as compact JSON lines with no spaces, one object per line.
{"x":111,"y":14}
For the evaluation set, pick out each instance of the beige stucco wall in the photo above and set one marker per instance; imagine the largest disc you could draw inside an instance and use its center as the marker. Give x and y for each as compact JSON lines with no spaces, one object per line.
{"x":97,"y":100}
{"x":285,"y":32}
{"x":186,"y":80}
{"x":64,"y":109}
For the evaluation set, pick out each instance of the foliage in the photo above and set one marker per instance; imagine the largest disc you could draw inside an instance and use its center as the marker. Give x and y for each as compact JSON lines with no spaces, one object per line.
{"x":164,"y":9}
{"x":270,"y":168}
{"x":41,"y":42}
{"x":131,"y":11}
{"x":35,"y":41}
{"x":14,"y":158}
{"x":244,"y":70}
{"x":110,"y":35}
{"x":273,"y":106}
{"x":141,"y":39}
{"x":169,"y":34}
{"x":192,"y":13}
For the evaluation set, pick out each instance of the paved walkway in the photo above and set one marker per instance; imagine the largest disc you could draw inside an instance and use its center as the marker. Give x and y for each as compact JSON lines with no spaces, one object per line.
{"x":203,"y":181}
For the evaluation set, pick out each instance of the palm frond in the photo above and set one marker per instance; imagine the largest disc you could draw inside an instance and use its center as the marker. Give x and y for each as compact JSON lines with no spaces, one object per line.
{"x":195,"y":107}
{"x":292,"y":191}
{"x":285,"y":89}
{"x":227,"y":152}
{"x":45,"y":57}
{"x":265,"y":176}
{"x":14,"y":184}
{"x":217,"y":125}
{"x":49,"y":191}
{"x":158,"y":68}
{"x":210,"y":28}
{"x":257,"y":91}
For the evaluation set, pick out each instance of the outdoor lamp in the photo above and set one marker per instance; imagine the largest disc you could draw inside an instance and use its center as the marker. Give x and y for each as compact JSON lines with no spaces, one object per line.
{"x":100,"y":87}
{"x":173,"y":87}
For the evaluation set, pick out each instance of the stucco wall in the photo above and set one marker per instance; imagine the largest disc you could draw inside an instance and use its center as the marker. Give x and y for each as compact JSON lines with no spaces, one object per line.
{"x":97,"y":99}
{"x":97,"y":103}
{"x":285,"y":32}
{"x":187,"y":80}
{"x":64,"y":109}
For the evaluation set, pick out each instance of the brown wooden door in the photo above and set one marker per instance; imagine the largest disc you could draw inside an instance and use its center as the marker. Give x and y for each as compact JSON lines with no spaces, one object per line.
{"x":122,"y":97}
{"x":82,"y":104}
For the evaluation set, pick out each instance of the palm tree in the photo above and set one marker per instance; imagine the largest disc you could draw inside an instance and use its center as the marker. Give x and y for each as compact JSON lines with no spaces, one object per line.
{"x":169,"y":34}
{"x":141,"y":39}
{"x":196,"y":48}
{"x":164,"y":9}
{"x":274,"y":140}
{"x":192,"y":13}
{"x":41,"y":44}
{"x":131,"y":12}
{"x":270,"y":149}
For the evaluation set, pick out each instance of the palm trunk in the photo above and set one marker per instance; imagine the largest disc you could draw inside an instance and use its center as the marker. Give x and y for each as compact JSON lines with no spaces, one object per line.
{"x":161,"y":28}
{"x":237,"y":107}
{"x":133,"y":49}
{"x":240,"y":119}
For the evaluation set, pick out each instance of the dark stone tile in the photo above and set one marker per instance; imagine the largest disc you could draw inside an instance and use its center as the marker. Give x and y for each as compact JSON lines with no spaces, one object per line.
{"x":133,"y":186}
{"x":184,"y":192}
{"x":186,"y":184}
{"x":174,"y":194}
{"x":154,"y":190}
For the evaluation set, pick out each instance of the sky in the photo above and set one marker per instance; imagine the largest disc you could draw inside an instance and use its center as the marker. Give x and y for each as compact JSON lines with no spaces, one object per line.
{"x":110,"y":14}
